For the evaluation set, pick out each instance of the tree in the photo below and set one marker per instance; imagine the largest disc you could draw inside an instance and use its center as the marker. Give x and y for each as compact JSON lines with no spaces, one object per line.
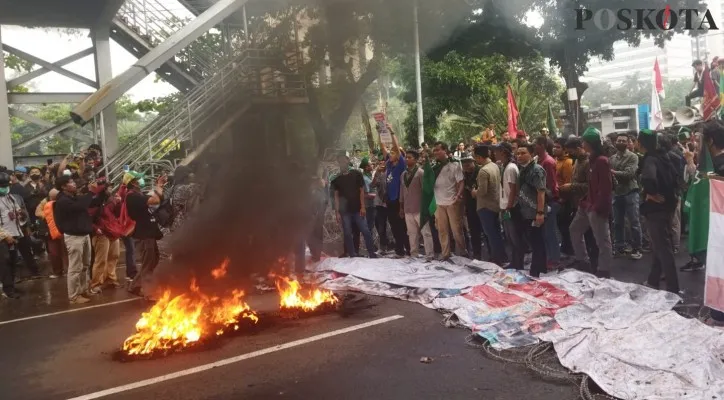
{"x":463,"y":94}
{"x":568,"y":49}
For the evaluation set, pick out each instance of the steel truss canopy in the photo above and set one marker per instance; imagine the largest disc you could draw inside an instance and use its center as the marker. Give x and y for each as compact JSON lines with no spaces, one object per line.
{"x":58,"y":13}
{"x":116,"y":87}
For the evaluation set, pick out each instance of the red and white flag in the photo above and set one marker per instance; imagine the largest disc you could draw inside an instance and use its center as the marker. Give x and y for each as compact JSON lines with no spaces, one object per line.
{"x":512,"y":114}
{"x":658,"y":82}
{"x":714,"y":287}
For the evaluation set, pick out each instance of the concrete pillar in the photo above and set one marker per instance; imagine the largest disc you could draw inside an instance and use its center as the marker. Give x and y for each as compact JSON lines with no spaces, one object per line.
{"x":104,"y":73}
{"x":6,"y":146}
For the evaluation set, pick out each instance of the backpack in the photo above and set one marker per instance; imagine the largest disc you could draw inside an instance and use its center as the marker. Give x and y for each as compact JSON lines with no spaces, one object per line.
{"x":164,"y":214}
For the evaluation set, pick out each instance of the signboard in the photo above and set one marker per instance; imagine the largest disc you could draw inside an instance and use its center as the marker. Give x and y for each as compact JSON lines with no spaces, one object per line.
{"x":381,"y":124}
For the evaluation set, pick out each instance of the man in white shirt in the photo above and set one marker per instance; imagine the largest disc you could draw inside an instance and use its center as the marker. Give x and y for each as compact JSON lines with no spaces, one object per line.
{"x":510,"y":213}
{"x":448,"y":197}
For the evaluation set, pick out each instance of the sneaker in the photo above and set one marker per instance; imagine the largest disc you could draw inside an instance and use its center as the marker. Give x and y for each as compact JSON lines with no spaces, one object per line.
{"x":94,"y":291}
{"x":619,"y":253}
{"x":676,"y":250}
{"x":80,"y":300}
{"x":53,"y":276}
{"x":12,"y":294}
{"x":636,"y":255}
{"x":646,"y":249}
{"x":112,"y":285}
{"x":374,"y":255}
{"x":135,"y":292}
{"x":129,"y":279}
{"x":692,"y":266}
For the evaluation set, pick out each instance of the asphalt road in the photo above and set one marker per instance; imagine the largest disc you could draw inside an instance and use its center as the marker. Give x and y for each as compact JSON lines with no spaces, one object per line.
{"x":66,"y":355}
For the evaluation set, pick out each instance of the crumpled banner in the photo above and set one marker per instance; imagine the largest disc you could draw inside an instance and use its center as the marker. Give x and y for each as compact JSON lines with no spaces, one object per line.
{"x":414,"y":273}
{"x":624,"y":336}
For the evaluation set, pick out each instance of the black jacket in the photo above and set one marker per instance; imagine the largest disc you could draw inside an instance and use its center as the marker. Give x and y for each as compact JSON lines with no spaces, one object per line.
{"x":659,"y":177}
{"x":71,"y":214}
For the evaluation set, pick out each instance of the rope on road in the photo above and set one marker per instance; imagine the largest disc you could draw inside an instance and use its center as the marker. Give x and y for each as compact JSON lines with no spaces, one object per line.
{"x":586,"y":394}
{"x":543,"y":360}
{"x":516,"y":355}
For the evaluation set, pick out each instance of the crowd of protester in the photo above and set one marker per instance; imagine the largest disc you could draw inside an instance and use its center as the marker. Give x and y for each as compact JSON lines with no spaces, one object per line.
{"x":575,"y":202}
{"x":70,"y":211}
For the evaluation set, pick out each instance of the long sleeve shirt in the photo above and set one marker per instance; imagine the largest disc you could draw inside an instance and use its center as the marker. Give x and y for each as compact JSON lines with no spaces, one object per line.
{"x":549,"y":165}
{"x":600,"y":187}
{"x":564,"y":170}
{"x":579,"y":181}
{"x":623,"y":167}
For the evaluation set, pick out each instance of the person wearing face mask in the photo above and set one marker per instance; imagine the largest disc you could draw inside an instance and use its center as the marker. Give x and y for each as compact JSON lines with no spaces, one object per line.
{"x":9,"y":232}
{"x":624,"y":165}
{"x":17,"y":182}
{"x":35,"y":192}
{"x":17,"y":216}
{"x":146,"y":232}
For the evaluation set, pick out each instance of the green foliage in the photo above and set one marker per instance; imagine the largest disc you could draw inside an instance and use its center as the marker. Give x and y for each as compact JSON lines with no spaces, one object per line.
{"x":462,"y":94}
{"x":532,"y":106}
{"x":500,"y":28}
{"x":16,"y":63}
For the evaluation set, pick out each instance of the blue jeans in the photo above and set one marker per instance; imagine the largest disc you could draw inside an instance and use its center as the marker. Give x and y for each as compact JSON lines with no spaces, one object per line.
{"x":491,"y":227}
{"x":626,"y":206}
{"x":355,"y":218}
{"x":370,"y":217}
{"x":553,"y":248}
{"x":130,"y":256}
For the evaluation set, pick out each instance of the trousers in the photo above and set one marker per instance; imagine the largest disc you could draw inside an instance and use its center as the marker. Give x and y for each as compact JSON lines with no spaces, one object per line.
{"x":582,"y":222}
{"x":449,"y":218}
{"x":106,"y":259}
{"x":413,"y":233}
{"x":79,"y":258}
{"x":661,"y":232}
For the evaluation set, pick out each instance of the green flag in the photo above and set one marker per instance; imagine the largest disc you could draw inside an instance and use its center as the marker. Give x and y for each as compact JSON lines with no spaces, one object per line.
{"x":697,"y":205}
{"x":428,"y":194}
{"x":551,"y":123}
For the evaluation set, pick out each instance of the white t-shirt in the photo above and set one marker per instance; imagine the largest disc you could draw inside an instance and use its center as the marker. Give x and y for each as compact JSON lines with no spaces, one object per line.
{"x":510,"y":175}
{"x":446,"y":184}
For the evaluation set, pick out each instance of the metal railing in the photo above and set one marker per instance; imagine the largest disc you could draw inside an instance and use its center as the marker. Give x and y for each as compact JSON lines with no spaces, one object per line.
{"x":154,"y":22}
{"x":257,"y":74}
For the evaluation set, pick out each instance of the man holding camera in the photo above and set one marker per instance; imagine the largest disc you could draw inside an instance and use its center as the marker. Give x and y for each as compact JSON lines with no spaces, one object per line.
{"x":76,"y":224}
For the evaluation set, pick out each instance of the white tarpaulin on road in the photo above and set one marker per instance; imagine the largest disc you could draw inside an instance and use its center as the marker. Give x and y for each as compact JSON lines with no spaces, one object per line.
{"x":413,"y":273}
{"x":624,"y":336}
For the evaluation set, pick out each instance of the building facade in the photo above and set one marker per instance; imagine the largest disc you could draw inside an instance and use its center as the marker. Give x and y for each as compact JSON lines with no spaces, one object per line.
{"x":674,"y":60}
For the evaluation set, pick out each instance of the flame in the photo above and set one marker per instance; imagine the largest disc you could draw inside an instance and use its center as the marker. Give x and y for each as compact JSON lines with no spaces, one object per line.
{"x":220,"y":271}
{"x":183,"y":320}
{"x":291,"y":295}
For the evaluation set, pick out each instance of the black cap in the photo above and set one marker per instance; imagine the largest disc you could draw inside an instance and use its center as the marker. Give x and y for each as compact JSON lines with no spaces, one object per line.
{"x":696,"y":62}
{"x":504,"y":146}
{"x":4,"y":179}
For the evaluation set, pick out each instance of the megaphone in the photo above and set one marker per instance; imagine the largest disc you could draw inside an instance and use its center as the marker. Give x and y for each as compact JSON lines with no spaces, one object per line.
{"x":668,"y":118}
{"x":687,"y":115}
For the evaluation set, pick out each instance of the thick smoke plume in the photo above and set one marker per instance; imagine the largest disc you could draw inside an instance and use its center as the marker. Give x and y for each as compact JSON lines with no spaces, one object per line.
{"x":255,"y":207}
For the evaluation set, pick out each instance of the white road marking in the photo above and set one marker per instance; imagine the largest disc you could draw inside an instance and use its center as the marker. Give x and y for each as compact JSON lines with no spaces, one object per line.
{"x":69,"y":311}
{"x":232,"y":360}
